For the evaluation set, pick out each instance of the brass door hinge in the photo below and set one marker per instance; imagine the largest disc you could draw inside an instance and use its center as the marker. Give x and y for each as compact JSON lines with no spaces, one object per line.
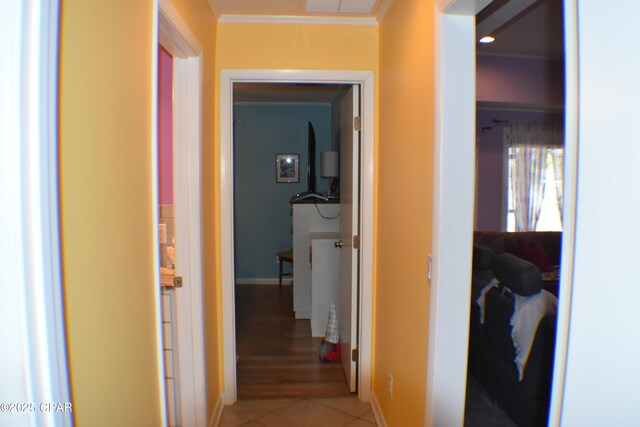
{"x":178,"y":282}
{"x":354,"y":355}
{"x":357,"y":124}
{"x":356,"y":242}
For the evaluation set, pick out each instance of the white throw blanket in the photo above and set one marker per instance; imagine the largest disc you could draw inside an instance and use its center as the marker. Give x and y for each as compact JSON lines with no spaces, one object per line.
{"x":483,"y":294}
{"x":528,"y":312}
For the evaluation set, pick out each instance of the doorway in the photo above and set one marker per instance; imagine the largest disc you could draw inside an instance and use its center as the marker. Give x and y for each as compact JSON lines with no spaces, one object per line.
{"x":520,"y":127}
{"x":228,"y":77}
{"x":455,"y":136}
{"x":178,"y":40}
{"x":282,"y":132}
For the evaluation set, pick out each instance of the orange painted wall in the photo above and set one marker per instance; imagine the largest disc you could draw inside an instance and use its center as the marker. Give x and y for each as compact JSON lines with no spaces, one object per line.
{"x":203,"y":24}
{"x":294,"y":47}
{"x":404,"y":209}
{"x":106,"y":211}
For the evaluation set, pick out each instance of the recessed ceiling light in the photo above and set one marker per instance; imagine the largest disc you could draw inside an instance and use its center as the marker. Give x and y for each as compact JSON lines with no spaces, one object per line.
{"x":487,"y":39}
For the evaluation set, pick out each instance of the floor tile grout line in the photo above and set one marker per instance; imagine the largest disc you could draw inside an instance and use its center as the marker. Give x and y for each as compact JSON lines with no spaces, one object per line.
{"x":293,"y":401}
{"x":344,"y":412}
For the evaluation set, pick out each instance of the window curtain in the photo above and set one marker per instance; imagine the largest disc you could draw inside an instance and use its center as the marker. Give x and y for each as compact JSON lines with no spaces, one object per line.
{"x":558,"y":171}
{"x":530,"y":143}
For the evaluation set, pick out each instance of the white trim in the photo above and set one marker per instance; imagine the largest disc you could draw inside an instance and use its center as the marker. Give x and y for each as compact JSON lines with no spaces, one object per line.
{"x":262,"y":281}
{"x":377,"y":411}
{"x":187,"y":125}
{"x":265,"y":103}
{"x":216,"y":416}
{"x":157,"y":298}
{"x":569,"y":214}
{"x":32,"y":329}
{"x":454,"y":177}
{"x":304,"y":20}
{"x":382,"y":10}
{"x":215,"y":7}
{"x":366,"y":79}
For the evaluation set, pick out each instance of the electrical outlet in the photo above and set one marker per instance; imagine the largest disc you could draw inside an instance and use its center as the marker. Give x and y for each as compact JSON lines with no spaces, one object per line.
{"x":390,"y":386}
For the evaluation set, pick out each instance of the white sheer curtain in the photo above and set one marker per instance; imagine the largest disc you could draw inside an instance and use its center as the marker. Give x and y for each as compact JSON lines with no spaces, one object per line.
{"x":530,"y":143}
{"x":558,"y":171}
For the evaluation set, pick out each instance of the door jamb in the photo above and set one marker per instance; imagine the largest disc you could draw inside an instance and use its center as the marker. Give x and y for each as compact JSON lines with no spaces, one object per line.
{"x":32,"y":315}
{"x":364,"y":78}
{"x":175,"y":36}
{"x":453,"y":199}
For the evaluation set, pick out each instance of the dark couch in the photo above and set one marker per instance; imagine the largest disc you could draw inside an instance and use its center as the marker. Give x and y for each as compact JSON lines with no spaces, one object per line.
{"x":503,"y":241}
{"x":491,"y":349}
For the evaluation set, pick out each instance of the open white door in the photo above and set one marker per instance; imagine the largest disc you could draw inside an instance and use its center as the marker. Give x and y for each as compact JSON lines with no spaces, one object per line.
{"x":349,"y":230}
{"x":183,"y":336}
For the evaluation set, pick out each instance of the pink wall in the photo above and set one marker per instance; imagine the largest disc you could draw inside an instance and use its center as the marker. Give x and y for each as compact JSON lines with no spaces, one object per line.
{"x":519,"y":80}
{"x":165,"y":127}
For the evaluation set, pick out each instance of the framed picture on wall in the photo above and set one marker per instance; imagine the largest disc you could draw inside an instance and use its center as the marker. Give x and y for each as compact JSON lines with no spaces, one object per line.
{"x":287,"y":168}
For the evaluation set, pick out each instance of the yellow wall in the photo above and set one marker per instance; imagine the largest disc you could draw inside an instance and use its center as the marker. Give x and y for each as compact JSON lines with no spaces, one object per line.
{"x":203,"y":24}
{"x":292,"y":46}
{"x":107,"y":207}
{"x":106,"y":211}
{"x":404,"y":209}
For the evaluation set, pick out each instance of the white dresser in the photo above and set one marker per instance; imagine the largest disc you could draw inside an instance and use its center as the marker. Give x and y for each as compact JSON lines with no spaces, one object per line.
{"x":307,"y":219}
{"x":325,"y":280}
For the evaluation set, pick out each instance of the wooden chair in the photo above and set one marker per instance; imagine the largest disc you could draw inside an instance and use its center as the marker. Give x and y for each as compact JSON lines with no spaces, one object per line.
{"x":285,"y":256}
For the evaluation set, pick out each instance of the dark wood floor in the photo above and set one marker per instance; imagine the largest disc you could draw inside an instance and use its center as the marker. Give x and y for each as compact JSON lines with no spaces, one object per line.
{"x":277,"y":357}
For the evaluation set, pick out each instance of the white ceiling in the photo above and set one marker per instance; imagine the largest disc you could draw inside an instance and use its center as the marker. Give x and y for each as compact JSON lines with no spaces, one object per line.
{"x":308,"y":8}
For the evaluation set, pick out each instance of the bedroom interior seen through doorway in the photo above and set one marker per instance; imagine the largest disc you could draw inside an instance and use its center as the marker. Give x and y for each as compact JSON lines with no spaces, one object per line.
{"x":271,"y":120}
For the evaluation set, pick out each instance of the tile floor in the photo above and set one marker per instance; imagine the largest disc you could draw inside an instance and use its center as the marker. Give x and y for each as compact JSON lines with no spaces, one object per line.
{"x":480,"y":411}
{"x":336,"y":412}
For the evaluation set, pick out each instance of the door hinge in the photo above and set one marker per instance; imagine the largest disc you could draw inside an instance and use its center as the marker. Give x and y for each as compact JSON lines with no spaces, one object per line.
{"x":178,"y":282}
{"x":354,"y":355}
{"x":357,"y":124}
{"x":356,"y":242}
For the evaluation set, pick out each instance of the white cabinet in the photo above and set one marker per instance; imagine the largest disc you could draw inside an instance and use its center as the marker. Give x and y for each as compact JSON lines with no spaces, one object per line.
{"x":308,"y":218}
{"x":325,"y":280}
{"x":169,"y":331}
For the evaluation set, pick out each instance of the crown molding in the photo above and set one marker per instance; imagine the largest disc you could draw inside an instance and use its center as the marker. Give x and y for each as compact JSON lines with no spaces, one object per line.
{"x":215,"y":8}
{"x":307,"y":20}
{"x":382,"y":10}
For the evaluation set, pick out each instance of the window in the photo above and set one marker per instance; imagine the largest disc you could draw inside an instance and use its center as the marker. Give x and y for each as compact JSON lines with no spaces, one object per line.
{"x":550,"y":213}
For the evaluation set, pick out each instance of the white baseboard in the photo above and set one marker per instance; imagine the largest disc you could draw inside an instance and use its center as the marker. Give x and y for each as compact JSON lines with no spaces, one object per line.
{"x":377,"y":411}
{"x":217,"y":412}
{"x":261,"y":281}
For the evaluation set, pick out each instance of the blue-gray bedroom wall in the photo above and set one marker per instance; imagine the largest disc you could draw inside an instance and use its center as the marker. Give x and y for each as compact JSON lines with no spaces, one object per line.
{"x":262,"y":219}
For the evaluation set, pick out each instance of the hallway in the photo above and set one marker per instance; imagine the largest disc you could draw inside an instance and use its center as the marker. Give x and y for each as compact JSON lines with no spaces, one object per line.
{"x":281,"y":381}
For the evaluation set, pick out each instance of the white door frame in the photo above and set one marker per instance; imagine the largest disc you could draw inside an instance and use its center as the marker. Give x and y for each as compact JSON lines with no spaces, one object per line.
{"x":454,"y":177}
{"x":364,"y":78}
{"x":177,"y":38}
{"x":32,"y":329}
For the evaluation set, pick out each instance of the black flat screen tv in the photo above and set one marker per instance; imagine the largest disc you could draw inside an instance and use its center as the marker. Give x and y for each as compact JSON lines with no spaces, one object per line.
{"x":312,"y":186}
{"x":312,"y":189}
